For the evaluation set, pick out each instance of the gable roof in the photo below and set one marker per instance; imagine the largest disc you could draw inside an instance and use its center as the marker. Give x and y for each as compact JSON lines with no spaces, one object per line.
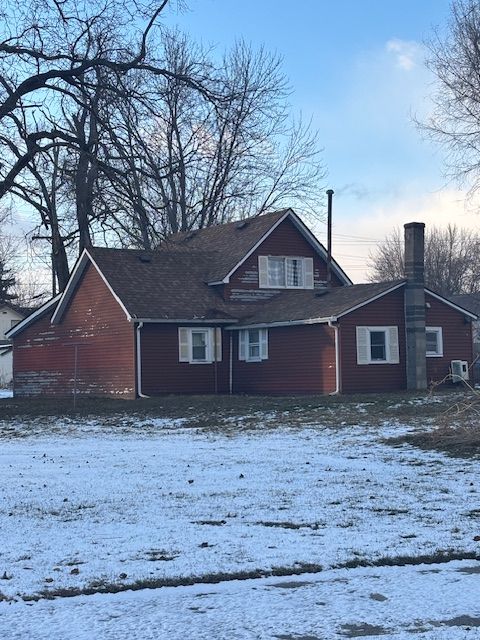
{"x":235,"y":241}
{"x":317,"y":306}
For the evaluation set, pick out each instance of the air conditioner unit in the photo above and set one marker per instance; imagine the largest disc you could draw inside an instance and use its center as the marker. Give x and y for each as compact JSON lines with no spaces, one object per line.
{"x":459,"y":370}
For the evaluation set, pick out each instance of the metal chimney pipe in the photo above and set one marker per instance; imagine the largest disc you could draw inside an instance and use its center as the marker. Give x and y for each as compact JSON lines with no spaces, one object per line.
{"x":330,"y":193}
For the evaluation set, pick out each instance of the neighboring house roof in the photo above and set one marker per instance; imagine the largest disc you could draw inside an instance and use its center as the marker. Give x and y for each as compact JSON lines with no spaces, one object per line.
{"x":26,"y":322}
{"x":233,"y":242}
{"x":470,"y":301}
{"x":15,"y":308}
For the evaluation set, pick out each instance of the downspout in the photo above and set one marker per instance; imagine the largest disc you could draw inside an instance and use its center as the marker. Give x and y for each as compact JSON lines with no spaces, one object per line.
{"x":230,"y":365}
{"x":139,"y":364}
{"x":337,"y":357}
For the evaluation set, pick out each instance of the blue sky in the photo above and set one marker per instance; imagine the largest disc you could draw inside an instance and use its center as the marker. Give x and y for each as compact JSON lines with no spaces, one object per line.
{"x":357,"y":69}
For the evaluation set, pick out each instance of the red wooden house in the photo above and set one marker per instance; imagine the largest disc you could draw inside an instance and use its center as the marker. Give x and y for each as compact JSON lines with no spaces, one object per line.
{"x":243,"y":307}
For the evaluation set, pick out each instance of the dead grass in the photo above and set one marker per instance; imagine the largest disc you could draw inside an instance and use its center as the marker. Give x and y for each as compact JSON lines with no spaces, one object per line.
{"x":208,"y":410}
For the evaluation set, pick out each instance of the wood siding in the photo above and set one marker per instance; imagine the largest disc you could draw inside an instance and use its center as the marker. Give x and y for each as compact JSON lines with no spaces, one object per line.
{"x":285,"y":240}
{"x":365,"y":378}
{"x":301,"y":360}
{"x":43,"y":357}
{"x":163,"y":373}
{"x":457,"y":338}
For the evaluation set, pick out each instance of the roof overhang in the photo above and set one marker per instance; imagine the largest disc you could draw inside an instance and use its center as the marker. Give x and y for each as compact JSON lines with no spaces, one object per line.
{"x":309,"y":237}
{"x":208,"y":321}
{"x":286,"y":323}
{"x":74,"y":279}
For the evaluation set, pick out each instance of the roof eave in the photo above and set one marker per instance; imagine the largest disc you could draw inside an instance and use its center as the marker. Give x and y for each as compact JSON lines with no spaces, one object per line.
{"x":184,"y":320}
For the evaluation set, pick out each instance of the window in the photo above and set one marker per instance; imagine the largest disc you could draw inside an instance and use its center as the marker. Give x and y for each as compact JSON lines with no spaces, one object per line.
{"x":253,"y":345}
{"x":434,"y":342}
{"x":377,"y":345}
{"x":199,"y":346}
{"x":285,"y":272}
{"x":13,"y":323}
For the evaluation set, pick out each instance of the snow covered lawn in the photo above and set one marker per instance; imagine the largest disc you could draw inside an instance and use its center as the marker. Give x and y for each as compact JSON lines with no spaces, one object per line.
{"x":92,"y":508}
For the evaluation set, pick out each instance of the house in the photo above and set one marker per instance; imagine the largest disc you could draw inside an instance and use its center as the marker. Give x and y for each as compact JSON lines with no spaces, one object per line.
{"x":10,"y":315}
{"x":254,"y":306}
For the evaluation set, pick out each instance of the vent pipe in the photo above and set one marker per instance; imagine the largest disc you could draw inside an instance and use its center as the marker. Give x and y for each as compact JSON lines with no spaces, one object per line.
{"x":330,"y":193}
{"x":415,"y":306}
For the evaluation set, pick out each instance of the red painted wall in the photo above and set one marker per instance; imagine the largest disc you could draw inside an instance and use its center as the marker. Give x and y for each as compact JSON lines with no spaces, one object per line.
{"x":285,"y":240}
{"x":301,"y":359}
{"x":365,"y":378}
{"x":163,"y":373}
{"x":43,"y":355}
{"x":457,"y":338}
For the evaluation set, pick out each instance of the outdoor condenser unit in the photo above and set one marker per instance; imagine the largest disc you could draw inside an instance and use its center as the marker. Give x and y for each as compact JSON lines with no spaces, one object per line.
{"x":459,"y":369}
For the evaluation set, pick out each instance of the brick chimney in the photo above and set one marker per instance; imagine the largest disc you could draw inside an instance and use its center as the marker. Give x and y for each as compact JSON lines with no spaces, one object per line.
{"x":415,"y":306}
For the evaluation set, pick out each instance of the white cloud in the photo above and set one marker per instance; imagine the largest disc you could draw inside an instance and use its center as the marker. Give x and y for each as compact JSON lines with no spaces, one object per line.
{"x":407,"y":54}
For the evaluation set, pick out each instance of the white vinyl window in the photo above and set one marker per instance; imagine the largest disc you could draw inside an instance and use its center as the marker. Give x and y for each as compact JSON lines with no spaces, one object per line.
{"x":199,"y":346}
{"x":285,"y":272}
{"x":377,"y":345}
{"x":253,"y":345}
{"x":434,"y":342}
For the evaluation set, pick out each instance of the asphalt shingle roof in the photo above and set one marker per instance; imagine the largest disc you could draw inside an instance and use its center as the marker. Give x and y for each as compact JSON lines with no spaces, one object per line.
{"x":172,"y":285}
{"x":229,"y":242}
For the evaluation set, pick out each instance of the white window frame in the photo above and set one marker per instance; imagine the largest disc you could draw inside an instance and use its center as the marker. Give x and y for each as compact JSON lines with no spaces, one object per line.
{"x":306,"y":272}
{"x":364,"y":345}
{"x":439,"y":332}
{"x":244,"y":345}
{"x":213,"y":344}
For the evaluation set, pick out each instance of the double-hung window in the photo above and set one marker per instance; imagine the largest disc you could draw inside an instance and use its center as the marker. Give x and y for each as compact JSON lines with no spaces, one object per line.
{"x":253,"y":345}
{"x":434,"y":342}
{"x":377,"y":345}
{"x":199,"y":345}
{"x":285,"y":272}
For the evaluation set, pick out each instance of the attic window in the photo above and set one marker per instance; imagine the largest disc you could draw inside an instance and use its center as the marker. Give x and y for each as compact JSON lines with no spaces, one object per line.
{"x":285,"y":272}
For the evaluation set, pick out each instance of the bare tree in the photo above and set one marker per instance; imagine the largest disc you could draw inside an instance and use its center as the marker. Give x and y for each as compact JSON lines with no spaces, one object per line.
{"x":118,"y":136}
{"x":49,"y":50}
{"x":452,"y":260}
{"x":455,"y":122}
{"x":183,"y":162}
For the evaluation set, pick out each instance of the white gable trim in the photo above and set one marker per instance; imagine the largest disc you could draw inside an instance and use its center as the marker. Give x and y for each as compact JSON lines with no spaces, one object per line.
{"x":318,"y":246}
{"x":451,"y":304}
{"x":307,"y":234}
{"x":73,"y":281}
{"x":32,"y":317}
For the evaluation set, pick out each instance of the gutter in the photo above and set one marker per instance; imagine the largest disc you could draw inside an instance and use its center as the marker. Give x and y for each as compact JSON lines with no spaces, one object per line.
{"x":184,"y":321}
{"x":337,"y":357}
{"x":139,"y":363}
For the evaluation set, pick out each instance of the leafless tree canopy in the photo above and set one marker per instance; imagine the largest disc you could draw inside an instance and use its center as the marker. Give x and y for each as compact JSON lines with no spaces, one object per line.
{"x":455,"y":61}
{"x":115,"y":130}
{"x":452,"y":260}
